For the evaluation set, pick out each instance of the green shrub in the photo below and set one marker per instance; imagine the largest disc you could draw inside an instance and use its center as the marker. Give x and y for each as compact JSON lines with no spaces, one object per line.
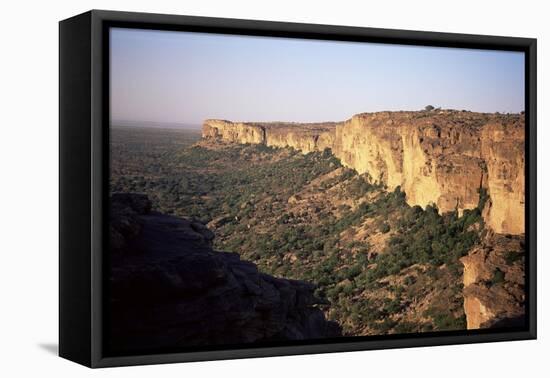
{"x":512,"y":256}
{"x":449,"y":322}
{"x":384,"y":228}
{"x":498,"y":277}
{"x":405,"y":327}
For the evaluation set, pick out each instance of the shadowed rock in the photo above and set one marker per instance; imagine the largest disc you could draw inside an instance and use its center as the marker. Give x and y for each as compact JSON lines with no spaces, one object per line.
{"x":169,"y":289}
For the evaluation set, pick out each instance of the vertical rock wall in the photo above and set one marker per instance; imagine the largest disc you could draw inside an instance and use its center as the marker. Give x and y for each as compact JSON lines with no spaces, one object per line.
{"x":443,"y":158}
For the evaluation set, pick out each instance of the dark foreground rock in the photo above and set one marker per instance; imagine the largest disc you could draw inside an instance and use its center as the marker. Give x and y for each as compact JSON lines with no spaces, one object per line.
{"x":169,"y":289}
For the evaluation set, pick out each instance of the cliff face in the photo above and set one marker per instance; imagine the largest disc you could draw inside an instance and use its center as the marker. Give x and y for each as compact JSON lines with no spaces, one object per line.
{"x":306,"y":137}
{"x":168,"y":288}
{"x":443,"y":157}
{"x":503,"y":150}
{"x":494,"y":281}
{"x":237,"y":133}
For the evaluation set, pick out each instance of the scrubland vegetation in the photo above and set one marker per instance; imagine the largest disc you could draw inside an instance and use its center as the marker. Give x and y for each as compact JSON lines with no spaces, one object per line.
{"x":381,"y":265}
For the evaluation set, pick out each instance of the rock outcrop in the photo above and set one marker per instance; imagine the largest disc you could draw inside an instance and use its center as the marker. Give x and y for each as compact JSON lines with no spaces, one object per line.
{"x":494,"y":281}
{"x":169,"y":289}
{"x":439,"y":157}
{"x":503,"y":151}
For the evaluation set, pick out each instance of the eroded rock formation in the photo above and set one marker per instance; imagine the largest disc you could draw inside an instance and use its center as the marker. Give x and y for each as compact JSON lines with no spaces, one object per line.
{"x":168,"y":288}
{"x":494,"y":282}
{"x":439,"y":157}
{"x":503,"y":151}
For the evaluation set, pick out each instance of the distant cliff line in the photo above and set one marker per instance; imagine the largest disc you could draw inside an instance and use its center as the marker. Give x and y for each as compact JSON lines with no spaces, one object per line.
{"x":436,"y":157}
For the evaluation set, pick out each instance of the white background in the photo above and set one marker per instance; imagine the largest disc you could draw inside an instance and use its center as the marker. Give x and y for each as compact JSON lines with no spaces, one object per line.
{"x":29,"y":189}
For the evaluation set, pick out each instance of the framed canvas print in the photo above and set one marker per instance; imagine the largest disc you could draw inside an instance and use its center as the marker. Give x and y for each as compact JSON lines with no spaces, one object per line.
{"x":234,"y":188}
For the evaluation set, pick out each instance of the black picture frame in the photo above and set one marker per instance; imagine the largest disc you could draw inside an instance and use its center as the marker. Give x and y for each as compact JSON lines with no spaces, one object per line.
{"x":84,"y":166}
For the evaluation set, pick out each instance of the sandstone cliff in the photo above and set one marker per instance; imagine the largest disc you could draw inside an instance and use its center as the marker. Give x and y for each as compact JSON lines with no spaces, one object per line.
{"x":494,"y":281}
{"x":439,"y":157}
{"x":168,"y":288}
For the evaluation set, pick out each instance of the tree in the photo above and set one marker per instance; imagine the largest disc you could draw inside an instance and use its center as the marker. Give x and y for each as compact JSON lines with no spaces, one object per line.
{"x":429,"y":108}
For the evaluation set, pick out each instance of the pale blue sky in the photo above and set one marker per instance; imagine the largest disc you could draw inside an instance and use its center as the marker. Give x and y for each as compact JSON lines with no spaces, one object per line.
{"x":180,"y":77}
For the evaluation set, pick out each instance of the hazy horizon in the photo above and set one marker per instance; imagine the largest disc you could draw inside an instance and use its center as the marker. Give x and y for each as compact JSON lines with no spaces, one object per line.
{"x":155,"y":124}
{"x":181,"y":78}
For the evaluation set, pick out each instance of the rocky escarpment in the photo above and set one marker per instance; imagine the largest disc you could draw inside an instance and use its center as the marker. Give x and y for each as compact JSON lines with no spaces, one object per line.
{"x":168,"y":288}
{"x":494,"y":281}
{"x":439,"y":157}
{"x":306,"y":137}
